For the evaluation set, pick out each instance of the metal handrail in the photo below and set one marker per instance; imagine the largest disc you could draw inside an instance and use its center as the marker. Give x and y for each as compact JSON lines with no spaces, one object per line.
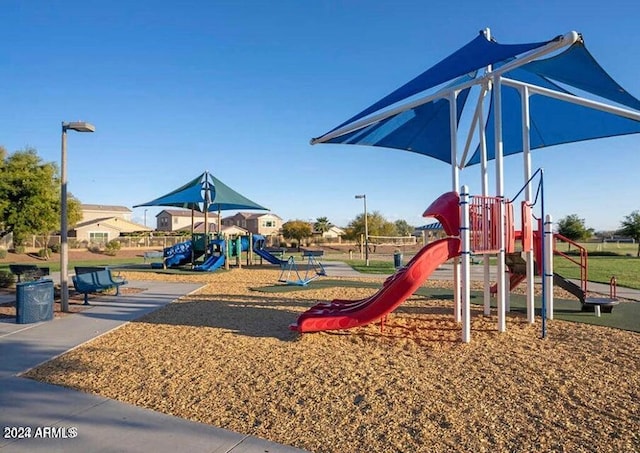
{"x":613,"y":288}
{"x":583,"y":263}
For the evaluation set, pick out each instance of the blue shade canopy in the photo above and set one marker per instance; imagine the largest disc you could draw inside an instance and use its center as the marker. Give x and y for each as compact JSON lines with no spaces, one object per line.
{"x":553,"y":121}
{"x":577,"y":67}
{"x":436,"y":226}
{"x":205,"y":193}
{"x":475,"y":55}
{"x":425,"y":128}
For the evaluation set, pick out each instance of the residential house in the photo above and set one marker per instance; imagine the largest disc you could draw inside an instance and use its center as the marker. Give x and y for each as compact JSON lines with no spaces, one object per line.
{"x":180,"y":219}
{"x":266,"y":224}
{"x":99,"y":211}
{"x":102,"y":223}
{"x":333,"y":234}
{"x":233,"y":230}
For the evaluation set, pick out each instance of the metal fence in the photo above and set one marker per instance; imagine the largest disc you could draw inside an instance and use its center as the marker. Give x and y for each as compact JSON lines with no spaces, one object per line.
{"x":130,"y":242}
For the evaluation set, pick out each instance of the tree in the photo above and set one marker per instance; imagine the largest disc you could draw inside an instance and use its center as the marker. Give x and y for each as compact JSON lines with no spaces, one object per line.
{"x":377,"y":225}
{"x":30,"y":196}
{"x":403,"y":228}
{"x":572,"y":227}
{"x":296,"y":229}
{"x":630,"y":227}
{"x":322,"y":225}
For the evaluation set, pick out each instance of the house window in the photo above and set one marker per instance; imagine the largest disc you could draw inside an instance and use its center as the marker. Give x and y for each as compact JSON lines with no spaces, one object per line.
{"x":269,"y":223}
{"x":164,"y":221}
{"x":98,"y":238}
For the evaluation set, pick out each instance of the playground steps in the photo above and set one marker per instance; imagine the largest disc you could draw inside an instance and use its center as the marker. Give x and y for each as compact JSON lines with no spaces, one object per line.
{"x":569,"y":286}
{"x":606,"y":304}
{"x":516,"y":263}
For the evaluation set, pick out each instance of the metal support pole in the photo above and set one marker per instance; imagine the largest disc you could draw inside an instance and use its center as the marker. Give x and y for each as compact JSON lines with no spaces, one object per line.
{"x":529,"y":257}
{"x":501,"y":299}
{"x":548,"y":272}
{"x":366,"y":233}
{"x":64,"y":227}
{"x":455,"y":177}
{"x":466,"y":271}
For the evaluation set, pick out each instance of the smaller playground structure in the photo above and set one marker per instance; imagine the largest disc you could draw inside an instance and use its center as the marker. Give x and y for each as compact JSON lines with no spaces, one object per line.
{"x":313,"y":269}
{"x":217,"y":251}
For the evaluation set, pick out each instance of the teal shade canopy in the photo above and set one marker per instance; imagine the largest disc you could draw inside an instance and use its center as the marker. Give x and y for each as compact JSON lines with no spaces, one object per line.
{"x":205,"y":193}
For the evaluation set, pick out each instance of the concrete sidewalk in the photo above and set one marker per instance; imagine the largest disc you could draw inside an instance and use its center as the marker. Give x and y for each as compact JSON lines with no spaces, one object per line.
{"x":59,"y":419}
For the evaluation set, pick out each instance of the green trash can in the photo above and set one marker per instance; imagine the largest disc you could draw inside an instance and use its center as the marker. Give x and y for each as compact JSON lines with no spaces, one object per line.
{"x":397,"y":259}
{"x":34,"y":301}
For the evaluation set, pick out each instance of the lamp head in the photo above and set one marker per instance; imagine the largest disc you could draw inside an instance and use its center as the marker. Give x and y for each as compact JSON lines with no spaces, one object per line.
{"x":79,"y":126}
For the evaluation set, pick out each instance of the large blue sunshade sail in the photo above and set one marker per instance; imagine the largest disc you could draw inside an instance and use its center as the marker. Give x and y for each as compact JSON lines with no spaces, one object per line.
{"x":477,"y":54}
{"x":553,"y":121}
{"x":424,"y":129}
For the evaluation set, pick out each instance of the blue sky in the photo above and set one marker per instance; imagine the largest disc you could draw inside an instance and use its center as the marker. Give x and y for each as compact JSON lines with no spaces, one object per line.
{"x":240,"y":87}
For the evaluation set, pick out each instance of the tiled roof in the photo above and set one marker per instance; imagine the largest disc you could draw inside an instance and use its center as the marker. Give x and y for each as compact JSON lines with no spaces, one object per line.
{"x":183,"y":213}
{"x":103,"y":207}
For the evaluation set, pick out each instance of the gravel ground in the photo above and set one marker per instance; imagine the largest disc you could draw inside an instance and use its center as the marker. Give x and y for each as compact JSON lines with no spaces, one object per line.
{"x":224,"y":356}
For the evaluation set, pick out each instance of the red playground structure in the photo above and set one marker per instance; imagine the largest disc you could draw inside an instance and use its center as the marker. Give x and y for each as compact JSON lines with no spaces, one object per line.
{"x":474,"y":225}
{"x":346,"y":314}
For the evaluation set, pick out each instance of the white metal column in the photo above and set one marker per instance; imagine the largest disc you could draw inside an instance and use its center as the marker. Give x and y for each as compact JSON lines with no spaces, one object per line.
{"x":500,"y":296}
{"x":466,"y":271}
{"x":548,"y":256}
{"x":526,"y":148}
{"x":455,"y":177}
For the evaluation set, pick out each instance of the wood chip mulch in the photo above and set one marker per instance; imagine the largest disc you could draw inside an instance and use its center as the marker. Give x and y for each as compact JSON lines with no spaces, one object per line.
{"x":224,"y":356}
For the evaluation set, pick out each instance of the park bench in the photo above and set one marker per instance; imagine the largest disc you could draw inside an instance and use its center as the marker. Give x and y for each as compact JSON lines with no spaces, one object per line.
{"x":29,"y":271}
{"x":95,"y":279}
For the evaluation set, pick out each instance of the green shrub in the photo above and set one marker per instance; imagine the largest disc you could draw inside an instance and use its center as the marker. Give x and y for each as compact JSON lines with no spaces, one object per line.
{"x":55,"y":248}
{"x":43,"y":253}
{"x":94,"y":248}
{"x":6,"y":279}
{"x":592,"y":253}
{"x":19,"y":249}
{"x":112,"y":247}
{"x":3,"y":254}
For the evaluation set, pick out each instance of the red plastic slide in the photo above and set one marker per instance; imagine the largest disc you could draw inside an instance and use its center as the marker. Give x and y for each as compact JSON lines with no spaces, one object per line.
{"x":345,"y":314}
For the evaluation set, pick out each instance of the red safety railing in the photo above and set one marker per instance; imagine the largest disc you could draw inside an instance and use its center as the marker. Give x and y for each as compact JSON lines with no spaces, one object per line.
{"x":484,"y":219}
{"x":583,"y":263}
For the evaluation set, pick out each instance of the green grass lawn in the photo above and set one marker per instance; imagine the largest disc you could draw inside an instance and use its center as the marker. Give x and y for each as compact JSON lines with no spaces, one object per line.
{"x":375,"y":266}
{"x":626,"y":269}
{"x":54,"y":263}
{"x":600,"y":269}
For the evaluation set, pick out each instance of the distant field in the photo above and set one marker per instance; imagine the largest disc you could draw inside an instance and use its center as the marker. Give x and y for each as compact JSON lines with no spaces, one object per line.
{"x":622,"y":248}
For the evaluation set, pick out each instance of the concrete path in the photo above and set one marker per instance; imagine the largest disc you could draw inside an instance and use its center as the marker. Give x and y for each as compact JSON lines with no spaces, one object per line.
{"x":58,"y":419}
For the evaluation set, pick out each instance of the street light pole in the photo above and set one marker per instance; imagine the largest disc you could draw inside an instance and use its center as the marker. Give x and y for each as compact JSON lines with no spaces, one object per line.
{"x":366,"y":229}
{"x":78,"y":126}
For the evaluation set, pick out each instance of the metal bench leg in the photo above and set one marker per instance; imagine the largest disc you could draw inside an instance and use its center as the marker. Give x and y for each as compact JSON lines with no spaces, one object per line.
{"x":86,"y":299}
